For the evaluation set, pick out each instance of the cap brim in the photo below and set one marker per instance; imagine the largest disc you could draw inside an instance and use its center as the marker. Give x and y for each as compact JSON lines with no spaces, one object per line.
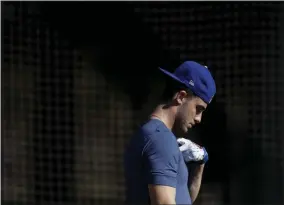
{"x":171,"y":75}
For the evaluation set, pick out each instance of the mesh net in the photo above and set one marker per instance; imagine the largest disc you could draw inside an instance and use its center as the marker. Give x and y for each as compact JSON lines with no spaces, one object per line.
{"x":65,"y":124}
{"x":241,"y":42}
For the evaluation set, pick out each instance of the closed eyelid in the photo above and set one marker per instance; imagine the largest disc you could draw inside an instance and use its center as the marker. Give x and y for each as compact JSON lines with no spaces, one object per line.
{"x":200,"y":108}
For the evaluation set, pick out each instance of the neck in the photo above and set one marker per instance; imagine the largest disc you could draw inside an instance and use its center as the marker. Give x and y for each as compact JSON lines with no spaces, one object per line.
{"x":166,"y":115}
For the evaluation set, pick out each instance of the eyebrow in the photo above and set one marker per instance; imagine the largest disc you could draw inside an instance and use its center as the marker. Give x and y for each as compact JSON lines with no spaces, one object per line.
{"x":201,"y":107}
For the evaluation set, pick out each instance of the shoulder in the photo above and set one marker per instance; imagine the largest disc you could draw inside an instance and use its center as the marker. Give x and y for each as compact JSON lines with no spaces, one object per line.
{"x":156,"y":132}
{"x":154,"y":136}
{"x":162,"y":142}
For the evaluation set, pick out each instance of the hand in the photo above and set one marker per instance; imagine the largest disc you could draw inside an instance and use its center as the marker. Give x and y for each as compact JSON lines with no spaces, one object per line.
{"x":192,"y":151}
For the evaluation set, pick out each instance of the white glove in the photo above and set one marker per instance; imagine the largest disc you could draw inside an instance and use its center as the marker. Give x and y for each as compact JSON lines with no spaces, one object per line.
{"x":190,"y":150}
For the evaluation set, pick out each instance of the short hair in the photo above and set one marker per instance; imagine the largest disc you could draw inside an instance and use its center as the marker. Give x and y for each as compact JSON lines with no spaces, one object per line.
{"x":171,"y":88}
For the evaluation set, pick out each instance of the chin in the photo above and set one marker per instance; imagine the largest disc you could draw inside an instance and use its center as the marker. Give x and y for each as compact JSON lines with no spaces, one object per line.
{"x":185,"y":130}
{"x":180,"y":131}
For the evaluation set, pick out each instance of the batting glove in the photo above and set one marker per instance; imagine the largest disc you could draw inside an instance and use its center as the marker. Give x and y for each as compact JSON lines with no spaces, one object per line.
{"x":192,"y":152}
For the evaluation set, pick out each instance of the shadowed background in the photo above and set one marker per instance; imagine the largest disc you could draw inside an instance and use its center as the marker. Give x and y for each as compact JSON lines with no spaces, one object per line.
{"x":78,"y":78}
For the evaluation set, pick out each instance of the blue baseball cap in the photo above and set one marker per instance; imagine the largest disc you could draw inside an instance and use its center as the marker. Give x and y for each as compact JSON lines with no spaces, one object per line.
{"x":196,"y":78}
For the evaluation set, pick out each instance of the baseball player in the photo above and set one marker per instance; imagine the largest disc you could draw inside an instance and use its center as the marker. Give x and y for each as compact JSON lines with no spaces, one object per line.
{"x":156,"y":156}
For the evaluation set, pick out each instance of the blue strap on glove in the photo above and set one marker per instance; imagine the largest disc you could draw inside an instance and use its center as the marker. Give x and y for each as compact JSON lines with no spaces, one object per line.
{"x":206,"y":157}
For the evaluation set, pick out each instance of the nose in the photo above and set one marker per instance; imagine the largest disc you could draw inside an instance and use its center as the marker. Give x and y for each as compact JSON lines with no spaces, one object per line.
{"x":197,"y":118}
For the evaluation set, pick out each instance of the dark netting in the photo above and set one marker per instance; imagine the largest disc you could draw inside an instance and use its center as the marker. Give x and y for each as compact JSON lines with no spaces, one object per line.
{"x":67,"y":112}
{"x":239,"y":43}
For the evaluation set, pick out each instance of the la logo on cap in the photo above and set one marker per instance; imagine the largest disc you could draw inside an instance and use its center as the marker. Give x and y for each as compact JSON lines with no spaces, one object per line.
{"x":191,"y":82}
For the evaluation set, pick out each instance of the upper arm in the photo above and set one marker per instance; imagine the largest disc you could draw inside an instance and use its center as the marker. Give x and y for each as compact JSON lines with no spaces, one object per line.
{"x":161,"y":158}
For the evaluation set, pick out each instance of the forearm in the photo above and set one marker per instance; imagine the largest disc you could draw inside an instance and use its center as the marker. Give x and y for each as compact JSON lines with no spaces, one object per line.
{"x":163,"y":202}
{"x":162,"y":195}
{"x":195,"y":181}
{"x":165,"y":199}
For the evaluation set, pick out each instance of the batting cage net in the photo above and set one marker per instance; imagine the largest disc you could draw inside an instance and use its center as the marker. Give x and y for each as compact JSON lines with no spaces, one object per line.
{"x":66,"y":116}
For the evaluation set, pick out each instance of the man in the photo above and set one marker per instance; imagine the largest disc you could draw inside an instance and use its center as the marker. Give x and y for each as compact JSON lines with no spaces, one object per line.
{"x":155,"y":168}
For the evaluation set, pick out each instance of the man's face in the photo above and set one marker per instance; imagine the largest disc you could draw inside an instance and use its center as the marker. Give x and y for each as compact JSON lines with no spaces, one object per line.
{"x":189,"y":113}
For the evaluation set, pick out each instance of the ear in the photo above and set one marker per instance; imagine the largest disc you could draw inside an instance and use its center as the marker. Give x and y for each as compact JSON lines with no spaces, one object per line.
{"x":180,"y":97}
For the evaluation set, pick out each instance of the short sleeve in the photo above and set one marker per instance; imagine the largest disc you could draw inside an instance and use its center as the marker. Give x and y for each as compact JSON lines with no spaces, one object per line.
{"x":161,"y":159}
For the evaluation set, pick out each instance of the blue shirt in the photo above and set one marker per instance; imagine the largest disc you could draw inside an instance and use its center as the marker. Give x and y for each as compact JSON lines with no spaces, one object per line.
{"x":153,"y":157}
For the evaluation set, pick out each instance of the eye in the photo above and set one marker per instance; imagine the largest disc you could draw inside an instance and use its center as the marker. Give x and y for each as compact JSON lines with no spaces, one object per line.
{"x":199,"y":109}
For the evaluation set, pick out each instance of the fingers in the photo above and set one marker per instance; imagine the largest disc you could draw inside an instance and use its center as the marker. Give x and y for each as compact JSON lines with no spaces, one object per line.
{"x":190,"y":143}
{"x":183,"y":147}
{"x":181,"y":140}
{"x":196,"y":145}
